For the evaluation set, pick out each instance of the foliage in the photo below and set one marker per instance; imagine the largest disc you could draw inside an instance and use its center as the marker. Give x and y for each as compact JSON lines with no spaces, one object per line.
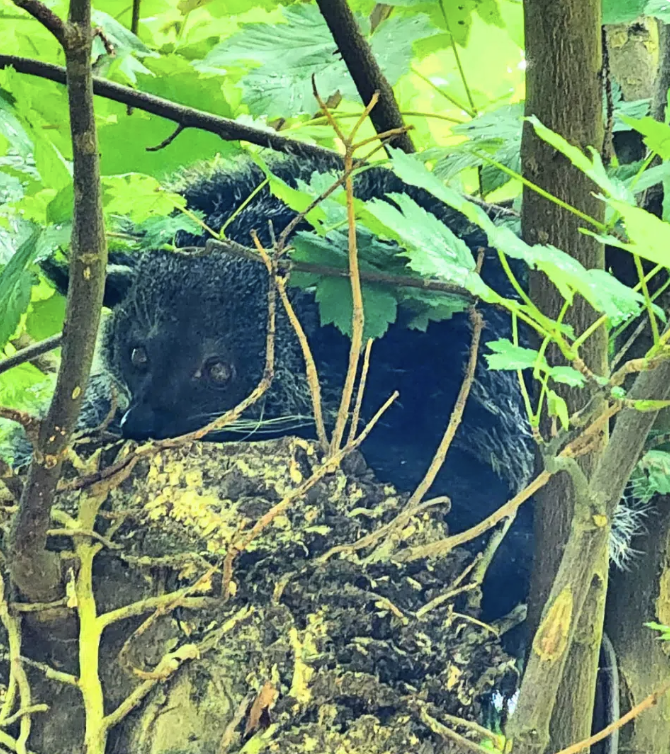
{"x":253,"y":60}
{"x":652,"y":475}
{"x":213,"y":57}
{"x":663,"y":630}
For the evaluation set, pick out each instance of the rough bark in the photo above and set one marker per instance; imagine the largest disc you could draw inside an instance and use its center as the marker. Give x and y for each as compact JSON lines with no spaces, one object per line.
{"x":639,"y":594}
{"x":364,"y":69}
{"x":35,"y":571}
{"x":633,"y":57}
{"x":563,"y":48}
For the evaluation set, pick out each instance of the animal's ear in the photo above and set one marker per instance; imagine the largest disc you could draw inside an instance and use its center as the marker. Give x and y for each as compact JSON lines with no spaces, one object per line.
{"x":120,"y":276}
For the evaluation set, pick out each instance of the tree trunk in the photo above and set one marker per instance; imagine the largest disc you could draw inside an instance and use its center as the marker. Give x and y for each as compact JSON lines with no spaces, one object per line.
{"x":564,"y":90}
{"x":637,"y":595}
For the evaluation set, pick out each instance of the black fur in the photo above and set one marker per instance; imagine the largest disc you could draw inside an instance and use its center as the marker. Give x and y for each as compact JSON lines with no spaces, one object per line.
{"x":179,"y":313}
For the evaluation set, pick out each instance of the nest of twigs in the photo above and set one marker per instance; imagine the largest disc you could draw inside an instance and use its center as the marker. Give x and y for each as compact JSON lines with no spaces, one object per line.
{"x":256,"y":624}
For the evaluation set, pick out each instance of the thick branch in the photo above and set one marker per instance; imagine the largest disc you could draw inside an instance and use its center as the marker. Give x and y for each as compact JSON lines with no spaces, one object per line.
{"x":628,"y":437}
{"x":186,"y":117}
{"x":563,"y":49}
{"x":581,"y":569}
{"x":364,"y":69}
{"x":34,"y":570}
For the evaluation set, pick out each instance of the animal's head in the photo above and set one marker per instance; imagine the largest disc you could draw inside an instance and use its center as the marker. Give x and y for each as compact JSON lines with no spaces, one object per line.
{"x":187,"y":339}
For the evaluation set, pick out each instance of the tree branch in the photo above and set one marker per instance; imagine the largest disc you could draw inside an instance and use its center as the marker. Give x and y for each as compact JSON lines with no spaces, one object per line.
{"x":35,"y":570}
{"x":45,"y":16}
{"x":186,"y":117}
{"x":364,"y":69}
{"x":30,"y":352}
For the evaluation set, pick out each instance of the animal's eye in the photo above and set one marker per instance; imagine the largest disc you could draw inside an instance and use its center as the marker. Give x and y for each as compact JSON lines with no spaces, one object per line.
{"x":218,"y":372}
{"x":139,"y":358}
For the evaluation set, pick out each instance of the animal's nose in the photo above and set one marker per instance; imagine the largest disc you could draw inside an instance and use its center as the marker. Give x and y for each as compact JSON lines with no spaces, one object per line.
{"x":139,"y":423}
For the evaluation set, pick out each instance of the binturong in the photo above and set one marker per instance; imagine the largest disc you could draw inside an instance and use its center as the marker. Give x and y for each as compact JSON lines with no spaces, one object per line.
{"x":186,"y":341}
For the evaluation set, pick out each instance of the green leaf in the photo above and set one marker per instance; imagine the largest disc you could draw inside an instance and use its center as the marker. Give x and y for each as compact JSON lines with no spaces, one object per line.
{"x":507,"y":356}
{"x":559,"y":408}
{"x":649,"y":236}
{"x":138,"y":197}
{"x":29,"y":106}
{"x":457,"y":18}
{"x":567,"y":376}
{"x":656,"y":134}
{"x":158,"y":231}
{"x":659,"y":9}
{"x":622,"y":11}
{"x":651,"y":475}
{"x":298,"y":200}
{"x":433,"y":250}
{"x":15,"y":285}
{"x":335,"y":307}
{"x":599,"y":288}
{"x":625,"y":109}
{"x":497,"y":133}
{"x":290,"y":54}
{"x":61,"y":207}
{"x":392,"y":43}
{"x":593,"y":167}
{"x":11,"y":127}
{"x":123,"y":39}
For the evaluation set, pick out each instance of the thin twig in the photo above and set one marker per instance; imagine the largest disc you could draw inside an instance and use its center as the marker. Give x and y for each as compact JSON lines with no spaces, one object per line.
{"x":369,"y":539}
{"x":167,"y":141}
{"x":456,"y":415}
{"x":17,"y":672}
{"x":187,"y":117}
{"x":310,"y":365}
{"x":30,"y":423}
{"x":358,"y":314}
{"x":355,"y":417}
{"x":31,"y":352}
{"x":444,"y":546}
{"x":645,"y":704}
{"x":368,"y":276}
{"x":447,"y":734}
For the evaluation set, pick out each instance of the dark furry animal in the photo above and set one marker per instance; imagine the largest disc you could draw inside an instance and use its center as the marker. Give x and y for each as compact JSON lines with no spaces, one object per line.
{"x":186,"y":341}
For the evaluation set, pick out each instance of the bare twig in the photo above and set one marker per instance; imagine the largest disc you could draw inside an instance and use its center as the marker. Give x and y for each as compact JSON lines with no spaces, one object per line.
{"x":285,"y":265}
{"x":31,"y":352}
{"x":310,"y":365}
{"x":18,"y":679}
{"x":456,"y":415}
{"x":187,"y":117}
{"x":645,"y":704}
{"x":355,"y":417}
{"x":168,"y":665}
{"x":403,"y":517}
{"x":444,"y":546}
{"x":166,"y":142}
{"x":358,"y":315}
{"x":30,"y":423}
{"x":447,"y":734}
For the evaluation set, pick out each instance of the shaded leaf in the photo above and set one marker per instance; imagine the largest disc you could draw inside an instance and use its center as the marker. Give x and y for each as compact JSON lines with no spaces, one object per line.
{"x":15,"y":285}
